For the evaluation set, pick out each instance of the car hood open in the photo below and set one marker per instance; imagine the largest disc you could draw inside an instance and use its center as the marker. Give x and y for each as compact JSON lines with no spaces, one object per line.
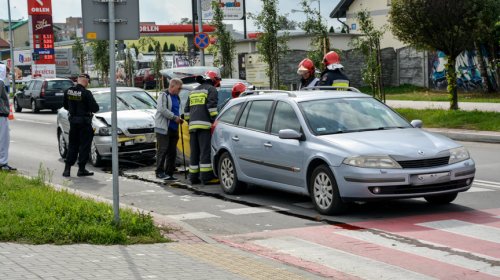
{"x":130,"y":118}
{"x":399,"y":143}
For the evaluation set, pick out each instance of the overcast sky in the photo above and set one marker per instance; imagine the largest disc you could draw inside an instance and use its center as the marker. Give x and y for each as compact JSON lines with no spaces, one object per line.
{"x":167,"y":11}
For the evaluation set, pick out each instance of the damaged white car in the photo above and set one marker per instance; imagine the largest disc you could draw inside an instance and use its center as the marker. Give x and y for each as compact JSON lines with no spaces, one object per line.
{"x":136,"y":138}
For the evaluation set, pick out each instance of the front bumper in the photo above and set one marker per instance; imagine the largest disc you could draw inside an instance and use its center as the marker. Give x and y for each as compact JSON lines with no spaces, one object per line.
{"x":128,"y":146}
{"x":360,"y":184}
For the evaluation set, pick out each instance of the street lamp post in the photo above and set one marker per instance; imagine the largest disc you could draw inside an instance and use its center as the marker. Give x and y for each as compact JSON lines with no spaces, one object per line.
{"x":11,"y":43}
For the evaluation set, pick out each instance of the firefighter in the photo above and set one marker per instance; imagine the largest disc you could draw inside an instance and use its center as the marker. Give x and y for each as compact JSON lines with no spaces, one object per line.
{"x":200,"y":111}
{"x":81,"y":105}
{"x":333,"y":75}
{"x":307,"y":70}
{"x":238,"y":88}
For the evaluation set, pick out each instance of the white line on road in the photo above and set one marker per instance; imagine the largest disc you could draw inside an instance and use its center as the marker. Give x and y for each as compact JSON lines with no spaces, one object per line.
{"x":338,"y":260}
{"x":481,"y":232}
{"x":438,"y":255}
{"x":247,"y":210}
{"x":487,"y":182}
{"x":476,"y":189}
{"x":192,"y":216}
{"x":30,"y":121}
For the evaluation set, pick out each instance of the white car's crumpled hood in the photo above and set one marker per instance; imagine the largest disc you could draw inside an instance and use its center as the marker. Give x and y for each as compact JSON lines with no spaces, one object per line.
{"x":131,"y":118}
{"x":401,"y":143}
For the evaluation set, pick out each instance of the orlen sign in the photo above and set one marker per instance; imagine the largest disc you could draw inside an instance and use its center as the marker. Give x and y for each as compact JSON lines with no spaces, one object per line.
{"x":39,"y":7}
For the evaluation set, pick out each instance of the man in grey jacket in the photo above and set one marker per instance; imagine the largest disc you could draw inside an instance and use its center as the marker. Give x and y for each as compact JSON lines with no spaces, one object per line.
{"x":4,"y":129}
{"x":167,"y":121}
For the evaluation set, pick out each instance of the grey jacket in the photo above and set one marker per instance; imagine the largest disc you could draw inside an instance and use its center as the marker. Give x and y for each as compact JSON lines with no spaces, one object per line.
{"x":164,"y":112}
{"x":4,"y":101}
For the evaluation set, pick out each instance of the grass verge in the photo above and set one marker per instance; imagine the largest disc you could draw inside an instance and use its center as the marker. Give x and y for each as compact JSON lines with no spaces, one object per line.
{"x":474,"y":120}
{"x":33,"y":212}
{"x":414,"y":93}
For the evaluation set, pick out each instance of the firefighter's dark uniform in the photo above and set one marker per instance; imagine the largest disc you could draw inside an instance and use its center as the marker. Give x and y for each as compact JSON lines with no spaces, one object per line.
{"x":333,"y":78}
{"x":200,"y":111}
{"x":81,"y":105}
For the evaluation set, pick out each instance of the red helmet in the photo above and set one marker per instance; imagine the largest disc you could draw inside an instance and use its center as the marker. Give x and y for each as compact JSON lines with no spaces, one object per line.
{"x":212,"y":75}
{"x":238,"y":88}
{"x":331,"y":58}
{"x":306,"y":65}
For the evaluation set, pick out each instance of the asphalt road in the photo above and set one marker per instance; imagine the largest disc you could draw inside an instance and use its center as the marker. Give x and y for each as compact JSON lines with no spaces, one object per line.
{"x":207,"y":208}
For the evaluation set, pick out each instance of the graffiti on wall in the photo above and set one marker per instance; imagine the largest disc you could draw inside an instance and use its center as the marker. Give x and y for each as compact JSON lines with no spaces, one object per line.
{"x":468,"y":74}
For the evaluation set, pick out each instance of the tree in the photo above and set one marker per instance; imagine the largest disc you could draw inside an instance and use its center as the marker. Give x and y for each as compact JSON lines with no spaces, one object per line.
{"x":157,"y":66}
{"x":224,"y":48}
{"x":172,"y":47}
{"x":133,"y":46}
{"x":151,"y":48}
{"x":369,"y":45}
{"x":186,"y":21}
{"x":332,"y":30}
{"x":165,"y":47}
{"x":315,"y":26}
{"x":145,"y":42}
{"x":288,"y":24}
{"x":79,"y":53}
{"x":100,"y":52}
{"x":271,"y":46}
{"x":437,"y":25}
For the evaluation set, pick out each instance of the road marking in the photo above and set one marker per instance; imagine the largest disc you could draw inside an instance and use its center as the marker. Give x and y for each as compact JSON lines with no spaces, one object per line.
{"x":280,"y":208}
{"x":419,"y":250}
{"x":344,"y":262}
{"x":489,"y":184}
{"x":477,"y":189}
{"x":481,"y":232}
{"x":307,"y":205}
{"x":192,"y":216}
{"x":30,"y":121}
{"x":247,"y":210}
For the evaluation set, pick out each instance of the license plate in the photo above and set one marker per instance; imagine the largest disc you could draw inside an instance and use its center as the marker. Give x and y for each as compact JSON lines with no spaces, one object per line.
{"x":59,"y":93}
{"x":430,"y":178}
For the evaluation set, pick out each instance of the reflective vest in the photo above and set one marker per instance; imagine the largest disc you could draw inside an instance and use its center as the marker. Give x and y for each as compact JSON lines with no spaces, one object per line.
{"x":201,"y":107}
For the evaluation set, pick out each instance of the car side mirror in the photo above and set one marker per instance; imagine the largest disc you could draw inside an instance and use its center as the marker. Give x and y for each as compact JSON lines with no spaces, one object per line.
{"x":417,"y":123}
{"x":289,"y":134}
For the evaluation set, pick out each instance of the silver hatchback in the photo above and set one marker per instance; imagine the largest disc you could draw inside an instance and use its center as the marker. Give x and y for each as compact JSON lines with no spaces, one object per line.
{"x":336,"y":147}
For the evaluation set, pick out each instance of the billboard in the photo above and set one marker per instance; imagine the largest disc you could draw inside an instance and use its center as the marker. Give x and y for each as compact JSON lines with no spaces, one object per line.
{"x":42,"y":37}
{"x":39,"y":7}
{"x":232,"y":9}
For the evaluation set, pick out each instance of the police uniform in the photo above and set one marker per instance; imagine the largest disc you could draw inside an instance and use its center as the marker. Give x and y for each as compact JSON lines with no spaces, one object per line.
{"x":80,"y":104}
{"x":333,"y":78}
{"x":200,"y":111}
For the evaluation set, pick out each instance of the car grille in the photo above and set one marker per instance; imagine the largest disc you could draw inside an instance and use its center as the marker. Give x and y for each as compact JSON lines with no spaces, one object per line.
{"x":137,"y":147}
{"x":409,"y":189}
{"x":141,"y":130}
{"x":423,"y":163}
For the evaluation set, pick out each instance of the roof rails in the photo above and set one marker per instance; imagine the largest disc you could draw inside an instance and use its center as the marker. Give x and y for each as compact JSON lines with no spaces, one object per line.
{"x":260,"y":92}
{"x":332,"y":88}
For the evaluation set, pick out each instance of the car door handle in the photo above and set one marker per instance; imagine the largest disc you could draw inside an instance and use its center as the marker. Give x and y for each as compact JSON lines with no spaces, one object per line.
{"x":268,"y":144}
{"x":235,"y":138}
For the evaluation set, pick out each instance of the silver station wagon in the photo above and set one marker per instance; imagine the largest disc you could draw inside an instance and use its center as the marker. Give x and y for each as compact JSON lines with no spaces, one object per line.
{"x":336,"y":146}
{"x":135,"y":113}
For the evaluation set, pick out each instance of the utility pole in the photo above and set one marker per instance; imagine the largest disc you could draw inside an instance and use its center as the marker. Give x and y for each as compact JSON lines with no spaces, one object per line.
{"x":11,"y":43}
{"x":200,"y":29}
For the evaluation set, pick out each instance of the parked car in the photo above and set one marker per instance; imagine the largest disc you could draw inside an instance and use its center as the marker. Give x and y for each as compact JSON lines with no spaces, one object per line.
{"x":39,"y":94}
{"x":145,"y":78}
{"x":336,"y":147}
{"x":136,"y":138}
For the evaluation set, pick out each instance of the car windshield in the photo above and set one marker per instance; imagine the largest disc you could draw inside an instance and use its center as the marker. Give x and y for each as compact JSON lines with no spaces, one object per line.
{"x":59,"y":84}
{"x":335,"y":115}
{"x":129,"y":100}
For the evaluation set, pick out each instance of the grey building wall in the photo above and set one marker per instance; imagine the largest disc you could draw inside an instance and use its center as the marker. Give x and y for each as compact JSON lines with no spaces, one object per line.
{"x":412,"y":67}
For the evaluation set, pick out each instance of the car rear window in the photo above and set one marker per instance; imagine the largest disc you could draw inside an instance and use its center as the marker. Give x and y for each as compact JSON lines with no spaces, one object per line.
{"x":59,"y":85}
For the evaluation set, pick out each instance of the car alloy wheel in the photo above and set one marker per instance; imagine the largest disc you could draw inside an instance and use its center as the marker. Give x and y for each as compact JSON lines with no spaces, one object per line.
{"x":17,"y":108}
{"x":95,"y":158}
{"x":324,"y":191}
{"x":228,"y":177}
{"x":33,"y":106}
{"x":63,"y":148}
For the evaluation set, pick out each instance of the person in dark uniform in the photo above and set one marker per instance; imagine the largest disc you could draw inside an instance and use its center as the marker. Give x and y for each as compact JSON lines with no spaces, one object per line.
{"x":200,"y":112}
{"x":306,"y":70}
{"x":80,"y":104}
{"x":333,"y":75}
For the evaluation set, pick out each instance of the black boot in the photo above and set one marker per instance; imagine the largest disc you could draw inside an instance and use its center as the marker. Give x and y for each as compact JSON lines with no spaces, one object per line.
{"x":83,"y":172}
{"x":67,"y":169}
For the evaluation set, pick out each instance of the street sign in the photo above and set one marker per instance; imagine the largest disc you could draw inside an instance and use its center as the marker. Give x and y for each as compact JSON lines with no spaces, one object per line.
{"x":201,"y":40}
{"x":95,"y":19}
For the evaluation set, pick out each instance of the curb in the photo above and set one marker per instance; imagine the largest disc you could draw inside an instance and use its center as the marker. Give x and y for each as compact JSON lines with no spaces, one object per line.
{"x":468,"y":135}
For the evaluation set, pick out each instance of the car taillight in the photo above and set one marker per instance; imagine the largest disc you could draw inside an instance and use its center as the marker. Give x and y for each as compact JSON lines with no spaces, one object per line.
{"x":212,"y":127}
{"x":44,"y":85}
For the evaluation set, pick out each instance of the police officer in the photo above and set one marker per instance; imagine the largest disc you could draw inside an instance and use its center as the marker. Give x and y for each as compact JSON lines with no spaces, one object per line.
{"x":81,"y":105}
{"x":201,"y":111}
{"x":333,"y":75}
{"x":307,"y":70}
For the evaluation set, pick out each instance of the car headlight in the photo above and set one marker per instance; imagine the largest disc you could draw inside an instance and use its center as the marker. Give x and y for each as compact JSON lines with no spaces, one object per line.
{"x":458,"y":154}
{"x":372,"y":162}
{"x":106,"y":131}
